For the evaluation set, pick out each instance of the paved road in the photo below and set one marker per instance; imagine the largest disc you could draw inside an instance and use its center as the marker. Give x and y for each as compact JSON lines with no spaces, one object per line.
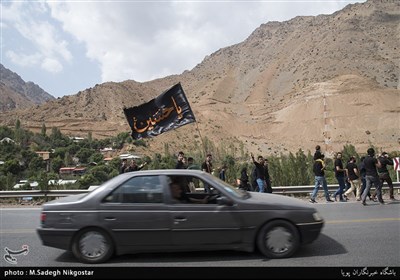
{"x":354,"y":236}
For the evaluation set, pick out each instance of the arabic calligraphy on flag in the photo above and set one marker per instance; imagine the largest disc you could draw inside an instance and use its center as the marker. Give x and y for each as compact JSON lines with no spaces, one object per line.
{"x":168,"y":111}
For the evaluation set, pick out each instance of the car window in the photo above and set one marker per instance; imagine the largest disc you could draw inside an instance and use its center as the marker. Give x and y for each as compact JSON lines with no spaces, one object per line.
{"x":140,"y":189}
{"x":242,"y":194}
{"x":192,"y":190}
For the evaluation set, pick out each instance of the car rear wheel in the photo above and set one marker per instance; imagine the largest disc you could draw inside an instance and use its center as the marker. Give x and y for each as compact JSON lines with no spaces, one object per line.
{"x":92,"y":246}
{"x":278,"y":239}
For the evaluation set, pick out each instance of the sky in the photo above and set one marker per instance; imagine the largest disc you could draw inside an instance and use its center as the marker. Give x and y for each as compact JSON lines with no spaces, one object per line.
{"x":69,"y":46}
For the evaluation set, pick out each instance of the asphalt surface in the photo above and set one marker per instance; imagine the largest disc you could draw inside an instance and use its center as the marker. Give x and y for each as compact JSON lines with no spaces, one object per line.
{"x":353,"y":236}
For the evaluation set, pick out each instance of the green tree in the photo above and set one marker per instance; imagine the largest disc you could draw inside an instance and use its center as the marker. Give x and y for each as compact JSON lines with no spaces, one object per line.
{"x":12,"y":166}
{"x":56,"y":164}
{"x":10,"y":180}
{"x":43,"y":130}
{"x":96,"y":157}
{"x":17,"y":124}
{"x":18,"y":131}
{"x":232,"y":170}
{"x":43,"y":181}
{"x":89,"y":137}
{"x":28,"y":156}
{"x":37,"y":164}
{"x":115,"y":164}
{"x":84,"y":154}
{"x":9,"y":151}
{"x":87,"y":180}
{"x":347,"y":152}
{"x":156,"y":161}
{"x":57,"y":139}
{"x":3,"y":182}
{"x":73,"y":148}
{"x":275,"y":170}
{"x":303,"y":168}
{"x":68,"y":159}
{"x":6,"y":132}
{"x":100,"y":173}
{"x":60,"y":152}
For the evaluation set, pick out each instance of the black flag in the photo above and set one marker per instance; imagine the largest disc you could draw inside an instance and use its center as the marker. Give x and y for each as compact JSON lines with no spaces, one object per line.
{"x":168,"y":111}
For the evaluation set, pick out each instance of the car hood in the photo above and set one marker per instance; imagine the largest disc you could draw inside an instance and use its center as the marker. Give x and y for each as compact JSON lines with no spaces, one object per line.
{"x":277,"y":201}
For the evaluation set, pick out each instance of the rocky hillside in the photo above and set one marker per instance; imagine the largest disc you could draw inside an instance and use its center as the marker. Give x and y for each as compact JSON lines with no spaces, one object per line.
{"x":15,"y":93}
{"x":329,"y":80}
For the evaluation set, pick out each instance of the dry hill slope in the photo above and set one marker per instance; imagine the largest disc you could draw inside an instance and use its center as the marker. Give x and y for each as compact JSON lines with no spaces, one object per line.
{"x":328,"y":80}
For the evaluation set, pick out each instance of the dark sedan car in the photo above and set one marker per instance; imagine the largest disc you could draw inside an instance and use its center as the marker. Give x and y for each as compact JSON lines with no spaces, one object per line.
{"x":169,"y":210}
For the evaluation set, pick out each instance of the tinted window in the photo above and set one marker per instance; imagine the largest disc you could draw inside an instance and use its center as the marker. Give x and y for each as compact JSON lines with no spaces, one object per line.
{"x":192,"y":190}
{"x":143,"y":189}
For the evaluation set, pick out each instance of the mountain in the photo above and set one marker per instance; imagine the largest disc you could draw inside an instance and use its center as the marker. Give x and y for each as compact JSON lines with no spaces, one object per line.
{"x":15,"y":93}
{"x":328,"y":80}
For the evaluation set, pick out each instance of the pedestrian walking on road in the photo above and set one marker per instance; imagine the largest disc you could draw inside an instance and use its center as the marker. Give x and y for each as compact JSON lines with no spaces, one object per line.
{"x":371,"y":176}
{"x":318,"y":169}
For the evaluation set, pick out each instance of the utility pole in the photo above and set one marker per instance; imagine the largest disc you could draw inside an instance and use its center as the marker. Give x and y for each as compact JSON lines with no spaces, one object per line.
{"x":326,"y":133}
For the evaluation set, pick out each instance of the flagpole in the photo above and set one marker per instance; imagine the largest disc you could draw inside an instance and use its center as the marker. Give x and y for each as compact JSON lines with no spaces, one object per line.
{"x":201,"y":138}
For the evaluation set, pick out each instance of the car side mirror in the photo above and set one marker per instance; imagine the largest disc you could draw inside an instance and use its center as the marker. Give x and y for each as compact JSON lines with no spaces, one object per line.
{"x":223,"y":200}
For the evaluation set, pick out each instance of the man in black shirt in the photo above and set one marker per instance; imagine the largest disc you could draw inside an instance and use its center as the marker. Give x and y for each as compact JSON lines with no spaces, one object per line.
{"x":180,"y":163}
{"x":134,"y":167}
{"x":260,"y":172}
{"x":361,"y":169}
{"x":244,"y":180}
{"x":371,"y":176}
{"x":353,"y":176}
{"x":384,"y":173}
{"x":318,"y":169}
{"x":339,"y":174}
{"x":317,"y":153}
{"x":207,"y":167}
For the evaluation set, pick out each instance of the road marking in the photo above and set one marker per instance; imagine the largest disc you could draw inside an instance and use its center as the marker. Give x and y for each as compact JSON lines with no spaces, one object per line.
{"x":362,"y":220}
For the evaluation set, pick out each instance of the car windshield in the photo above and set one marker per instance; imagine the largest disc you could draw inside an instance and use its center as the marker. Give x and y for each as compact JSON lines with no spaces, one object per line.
{"x":230,"y":189}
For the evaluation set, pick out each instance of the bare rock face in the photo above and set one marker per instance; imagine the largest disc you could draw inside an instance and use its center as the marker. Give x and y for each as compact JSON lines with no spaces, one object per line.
{"x":324,"y":80}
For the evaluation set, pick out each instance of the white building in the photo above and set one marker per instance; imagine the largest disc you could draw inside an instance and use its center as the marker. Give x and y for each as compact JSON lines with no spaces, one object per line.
{"x":128,"y":156}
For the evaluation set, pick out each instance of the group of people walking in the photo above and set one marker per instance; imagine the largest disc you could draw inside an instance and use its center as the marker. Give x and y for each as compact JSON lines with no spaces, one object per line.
{"x":370,"y":171}
{"x":352,"y":178}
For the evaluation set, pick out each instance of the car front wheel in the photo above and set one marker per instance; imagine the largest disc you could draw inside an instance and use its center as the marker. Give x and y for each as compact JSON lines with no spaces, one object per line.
{"x":278,"y":239}
{"x":92,"y":246}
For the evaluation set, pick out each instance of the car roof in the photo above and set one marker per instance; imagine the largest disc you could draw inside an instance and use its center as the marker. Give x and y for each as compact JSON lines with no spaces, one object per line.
{"x":166,"y":172}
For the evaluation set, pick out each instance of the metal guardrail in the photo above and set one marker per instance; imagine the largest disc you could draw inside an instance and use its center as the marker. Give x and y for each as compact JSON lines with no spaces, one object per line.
{"x":287,"y":190}
{"x":39,"y":193}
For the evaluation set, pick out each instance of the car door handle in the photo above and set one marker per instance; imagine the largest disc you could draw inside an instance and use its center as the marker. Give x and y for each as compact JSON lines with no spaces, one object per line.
{"x":179,"y":219}
{"x":110,"y":218}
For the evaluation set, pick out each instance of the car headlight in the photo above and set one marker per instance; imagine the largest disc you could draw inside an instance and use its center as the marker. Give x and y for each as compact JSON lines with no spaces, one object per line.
{"x":316,"y":216}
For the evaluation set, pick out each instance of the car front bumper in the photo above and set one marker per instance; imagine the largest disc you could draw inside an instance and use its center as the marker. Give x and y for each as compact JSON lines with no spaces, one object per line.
{"x":310,"y":231}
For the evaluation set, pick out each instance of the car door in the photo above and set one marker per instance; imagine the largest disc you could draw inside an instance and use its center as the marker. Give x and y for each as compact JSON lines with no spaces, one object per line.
{"x":136,"y":213}
{"x":196,"y":224}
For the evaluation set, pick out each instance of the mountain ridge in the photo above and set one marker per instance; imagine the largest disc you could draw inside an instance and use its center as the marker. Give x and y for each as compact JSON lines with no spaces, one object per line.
{"x":336,"y":75}
{"x":15,"y":93}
